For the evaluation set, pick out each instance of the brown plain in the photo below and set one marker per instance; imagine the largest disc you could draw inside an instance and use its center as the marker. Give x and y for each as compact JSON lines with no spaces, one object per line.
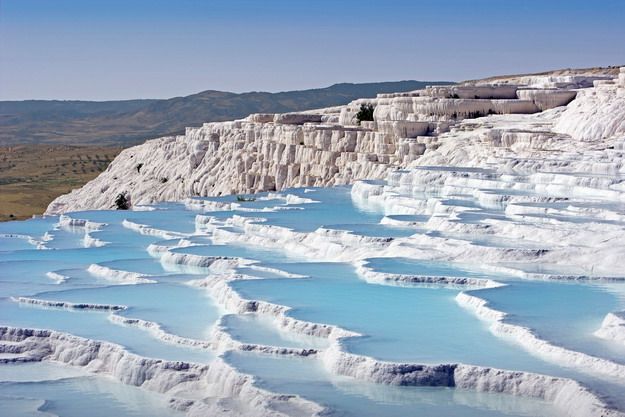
{"x":31,"y":176}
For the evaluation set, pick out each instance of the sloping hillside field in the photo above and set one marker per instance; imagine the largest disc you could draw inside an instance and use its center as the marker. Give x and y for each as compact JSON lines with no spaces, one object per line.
{"x":310,"y":302}
{"x":33,"y":175}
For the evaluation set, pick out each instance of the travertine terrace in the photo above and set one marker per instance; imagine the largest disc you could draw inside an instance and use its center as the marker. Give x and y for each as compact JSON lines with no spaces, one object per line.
{"x":479,"y":248}
{"x":266,"y":152}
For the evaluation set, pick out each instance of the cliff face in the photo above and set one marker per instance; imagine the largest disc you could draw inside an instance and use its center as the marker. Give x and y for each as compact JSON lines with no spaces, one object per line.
{"x":327,"y":147}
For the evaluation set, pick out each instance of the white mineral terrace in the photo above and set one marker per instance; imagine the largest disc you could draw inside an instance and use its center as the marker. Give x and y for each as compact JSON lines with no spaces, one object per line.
{"x":473,"y":267}
{"x":266,"y":152}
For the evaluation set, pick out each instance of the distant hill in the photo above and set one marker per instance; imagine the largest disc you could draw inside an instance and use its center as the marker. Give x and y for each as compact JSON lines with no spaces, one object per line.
{"x":128,"y":122}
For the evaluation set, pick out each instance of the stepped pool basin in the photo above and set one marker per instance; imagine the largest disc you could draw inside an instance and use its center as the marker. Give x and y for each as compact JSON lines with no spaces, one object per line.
{"x":307,"y":302}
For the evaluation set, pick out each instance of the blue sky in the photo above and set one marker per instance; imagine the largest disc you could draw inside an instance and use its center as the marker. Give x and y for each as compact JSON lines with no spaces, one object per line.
{"x":118,"y":49}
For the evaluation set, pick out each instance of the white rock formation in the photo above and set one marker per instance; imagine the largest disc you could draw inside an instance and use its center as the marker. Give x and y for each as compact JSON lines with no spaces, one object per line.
{"x":598,"y":113}
{"x":613,"y":327}
{"x":376,"y":277}
{"x":267,"y":152}
{"x":526,"y":338}
{"x":68,"y":305}
{"x":56,"y":277}
{"x":511,"y":146}
{"x":214,"y":389}
{"x":151,"y":231}
{"x":119,"y":276}
{"x":567,"y":395}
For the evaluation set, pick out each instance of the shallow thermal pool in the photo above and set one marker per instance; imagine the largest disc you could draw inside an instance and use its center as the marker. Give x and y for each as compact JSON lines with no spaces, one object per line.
{"x":50,"y":389}
{"x":233,"y":302}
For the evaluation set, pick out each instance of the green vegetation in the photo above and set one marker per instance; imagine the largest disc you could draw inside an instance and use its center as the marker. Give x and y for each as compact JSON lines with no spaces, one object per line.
{"x":242,"y":199}
{"x":121,"y":202}
{"x":365,"y":113}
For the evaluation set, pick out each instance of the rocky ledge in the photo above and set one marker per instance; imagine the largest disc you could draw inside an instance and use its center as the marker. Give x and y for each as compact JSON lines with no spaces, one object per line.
{"x":325,"y":147}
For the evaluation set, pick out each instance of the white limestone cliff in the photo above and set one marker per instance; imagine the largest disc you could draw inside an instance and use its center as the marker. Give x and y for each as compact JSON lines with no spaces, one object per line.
{"x":267,"y":152}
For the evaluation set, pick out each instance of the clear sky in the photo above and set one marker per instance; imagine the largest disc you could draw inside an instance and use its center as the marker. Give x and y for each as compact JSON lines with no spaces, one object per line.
{"x":116,"y":49}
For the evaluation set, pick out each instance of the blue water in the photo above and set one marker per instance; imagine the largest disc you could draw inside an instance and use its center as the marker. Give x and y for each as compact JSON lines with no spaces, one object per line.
{"x":376,"y":230}
{"x":334,"y":207}
{"x":66,"y":238}
{"x":405,"y":324}
{"x":420,"y":324}
{"x":407,"y":266}
{"x":178,"y":219}
{"x":36,"y":227}
{"x":351,"y":398}
{"x":95,"y":325}
{"x":29,"y":277}
{"x":181,"y":309}
{"x":234,"y":251}
{"x":149,"y":266}
{"x":564,"y":313}
{"x":13,"y":243}
{"x":59,"y":391}
{"x":251,"y":328}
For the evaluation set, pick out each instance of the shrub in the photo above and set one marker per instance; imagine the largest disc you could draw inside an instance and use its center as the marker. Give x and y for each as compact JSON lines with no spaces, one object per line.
{"x":474,"y":114}
{"x":365,"y":113}
{"x":121,"y":202}
{"x":243,"y":199}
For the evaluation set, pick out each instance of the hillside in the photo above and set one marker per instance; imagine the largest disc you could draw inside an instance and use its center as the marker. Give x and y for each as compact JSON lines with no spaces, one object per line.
{"x":129,"y":122}
{"x":33,"y":175}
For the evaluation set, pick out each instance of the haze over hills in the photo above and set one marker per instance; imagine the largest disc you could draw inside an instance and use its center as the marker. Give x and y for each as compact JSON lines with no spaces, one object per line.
{"x":129,"y":122}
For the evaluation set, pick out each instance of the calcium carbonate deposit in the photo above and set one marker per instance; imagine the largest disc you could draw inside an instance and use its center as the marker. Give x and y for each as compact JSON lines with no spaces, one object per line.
{"x":460,"y":255}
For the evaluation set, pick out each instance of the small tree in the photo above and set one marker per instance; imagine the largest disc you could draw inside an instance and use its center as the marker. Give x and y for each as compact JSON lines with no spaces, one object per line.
{"x":365,"y":113}
{"x":121,"y":202}
{"x":244,"y":199}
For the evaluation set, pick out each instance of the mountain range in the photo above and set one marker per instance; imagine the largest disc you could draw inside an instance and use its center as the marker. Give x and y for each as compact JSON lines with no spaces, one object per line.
{"x":129,"y":122}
